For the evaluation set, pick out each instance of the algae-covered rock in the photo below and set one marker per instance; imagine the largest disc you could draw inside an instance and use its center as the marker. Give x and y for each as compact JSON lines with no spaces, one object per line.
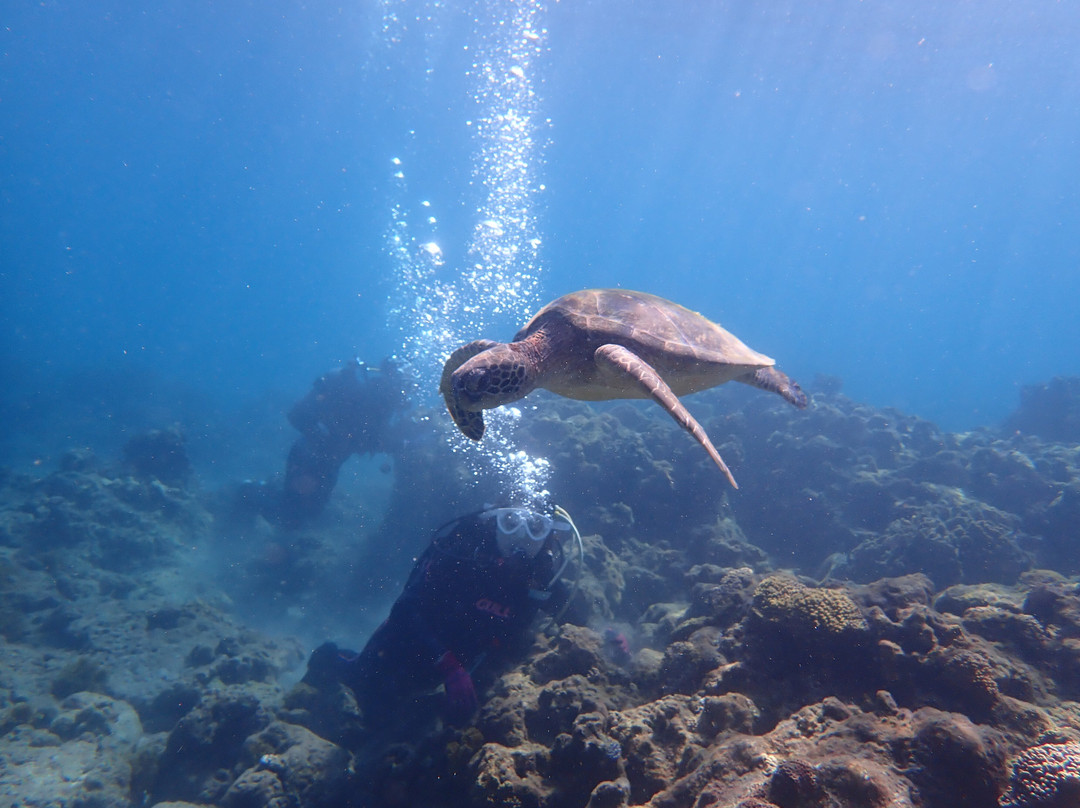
{"x":160,"y":454}
{"x":84,"y":758}
{"x":311,"y":771}
{"x":505,"y":776}
{"x":1050,"y":410}
{"x":205,"y":747}
{"x":575,"y":650}
{"x":953,"y":539}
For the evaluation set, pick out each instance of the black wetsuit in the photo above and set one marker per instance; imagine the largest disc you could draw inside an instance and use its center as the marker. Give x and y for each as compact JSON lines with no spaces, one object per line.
{"x":346,"y":412}
{"x":462,"y":597}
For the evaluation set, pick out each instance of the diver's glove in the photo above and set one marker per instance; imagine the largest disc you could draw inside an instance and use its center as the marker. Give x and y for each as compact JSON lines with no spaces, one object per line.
{"x":461,"y":698}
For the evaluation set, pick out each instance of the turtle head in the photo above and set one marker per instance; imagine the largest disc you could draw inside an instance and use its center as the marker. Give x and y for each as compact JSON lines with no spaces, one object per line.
{"x":480,"y":376}
{"x":495,"y":377}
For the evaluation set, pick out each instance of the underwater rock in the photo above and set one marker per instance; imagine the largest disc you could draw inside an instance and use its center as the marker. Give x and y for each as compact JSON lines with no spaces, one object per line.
{"x":687,"y":662}
{"x":729,"y":712}
{"x":827,"y":754}
{"x":956,"y":762}
{"x":1004,"y":475}
{"x":236,"y":662}
{"x":894,"y":595}
{"x":557,"y":705}
{"x":310,"y":771}
{"x":1056,"y":605}
{"x":723,"y":544}
{"x":970,"y":676}
{"x":1050,"y":410}
{"x":81,"y":674}
{"x":83,"y":758}
{"x":1034,"y":626}
{"x":732,"y":690}
{"x":256,"y":788}
{"x":502,"y":715}
{"x":855,"y":781}
{"x":953,"y":540}
{"x":97,"y":714}
{"x":720,"y":596}
{"x":610,"y":794}
{"x":658,"y":742}
{"x":959,"y":598}
{"x":505,"y":776}
{"x":205,"y":746}
{"x":160,"y":454}
{"x":784,"y":602}
{"x":574,"y":650}
{"x":584,"y":758}
{"x":601,"y":583}
{"x":330,"y":712}
{"x":1056,"y":524}
{"x":584,"y":445}
{"x":567,"y":675}
{"x":837,"y":755}
{"x":854,"y":456}
{"x":1009,"y":626}
{"x":118,"y":524}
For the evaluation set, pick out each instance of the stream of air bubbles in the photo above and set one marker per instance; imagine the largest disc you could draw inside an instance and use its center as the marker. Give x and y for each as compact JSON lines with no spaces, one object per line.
{"x":437,"y":306}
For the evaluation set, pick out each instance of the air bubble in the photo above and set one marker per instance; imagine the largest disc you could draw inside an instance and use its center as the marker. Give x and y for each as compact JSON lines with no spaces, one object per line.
{"x":497,"y":286}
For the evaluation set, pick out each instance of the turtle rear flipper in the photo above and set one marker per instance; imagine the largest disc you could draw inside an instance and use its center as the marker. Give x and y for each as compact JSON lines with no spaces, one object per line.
{"x":777,"y":382}
{"x":470,"y":423}
{"x":619,"y":359}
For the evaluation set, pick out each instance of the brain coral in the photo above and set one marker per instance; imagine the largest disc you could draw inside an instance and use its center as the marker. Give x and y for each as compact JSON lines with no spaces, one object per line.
{"x":781,"y":599}
{"x":793,"y":783}
{"x":1046,"y":776}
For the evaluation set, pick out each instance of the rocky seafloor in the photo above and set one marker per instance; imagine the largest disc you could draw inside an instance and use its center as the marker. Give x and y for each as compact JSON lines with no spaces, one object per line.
{"x":884,"y":614}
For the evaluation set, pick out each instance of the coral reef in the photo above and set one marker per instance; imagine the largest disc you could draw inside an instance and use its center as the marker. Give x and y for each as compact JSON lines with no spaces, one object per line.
{"x":866,"y":622}
{"x":114,"y":645}
{"x":800,"y":611}
{"x":960,"y":540}
{"x":1050,"y":410}
{"x":1045,"y":776}
{"x":160,"y":454}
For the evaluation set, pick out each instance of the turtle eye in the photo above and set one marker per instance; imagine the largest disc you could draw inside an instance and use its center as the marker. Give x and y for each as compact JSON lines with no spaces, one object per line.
{"x":471,"y":383}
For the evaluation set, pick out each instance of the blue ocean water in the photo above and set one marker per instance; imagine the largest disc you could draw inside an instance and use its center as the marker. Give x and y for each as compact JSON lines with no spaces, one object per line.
{"x":204,"y":206}
{"x":196,"y":197}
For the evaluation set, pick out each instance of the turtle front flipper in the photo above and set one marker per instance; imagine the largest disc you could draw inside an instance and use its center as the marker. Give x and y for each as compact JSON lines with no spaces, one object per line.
{"x":470,"y":423}
{"x":619,"y":359}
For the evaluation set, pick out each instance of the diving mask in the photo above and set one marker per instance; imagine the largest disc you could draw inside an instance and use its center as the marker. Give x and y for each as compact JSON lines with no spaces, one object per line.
{"x":522,"y":530}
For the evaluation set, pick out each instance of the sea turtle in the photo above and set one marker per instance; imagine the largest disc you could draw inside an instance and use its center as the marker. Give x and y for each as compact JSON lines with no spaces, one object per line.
{"x":608,"y":343}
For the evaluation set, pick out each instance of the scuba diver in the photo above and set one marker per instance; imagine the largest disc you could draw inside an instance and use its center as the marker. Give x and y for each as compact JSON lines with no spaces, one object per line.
{"x":471,"y":597}
{"x":348,"y":411}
